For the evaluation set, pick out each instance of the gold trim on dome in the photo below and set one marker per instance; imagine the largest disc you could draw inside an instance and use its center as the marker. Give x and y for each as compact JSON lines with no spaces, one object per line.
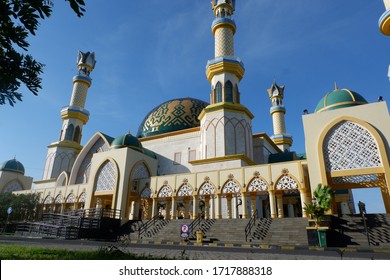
{"x":340,"y":104}
{"x":385,"y":26}
{"x":169,"y":134}
{"x":223,"y":158}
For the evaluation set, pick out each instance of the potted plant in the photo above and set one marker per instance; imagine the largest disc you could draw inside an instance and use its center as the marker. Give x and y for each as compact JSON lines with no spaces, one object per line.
{"x":322,"y":202}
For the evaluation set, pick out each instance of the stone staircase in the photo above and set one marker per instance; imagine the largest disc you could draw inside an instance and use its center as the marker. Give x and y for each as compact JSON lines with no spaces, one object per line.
{"x":229,"y":231}
{"x":286,"y":231}
{"x":171,"y":231}
{"x":349,"y":230}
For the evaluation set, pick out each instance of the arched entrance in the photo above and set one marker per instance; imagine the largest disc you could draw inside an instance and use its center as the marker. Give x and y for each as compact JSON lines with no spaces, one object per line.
{"x":258,"y":197}
{"x":138,"y":193}
{"x":231,"y":200}
{"x":105,"y":186}
{"x":184,"y":202}
{"x":354,"y":156}
{"x":288,"y":198}
{"x":207,"y":194}
{"x":164,"y":202}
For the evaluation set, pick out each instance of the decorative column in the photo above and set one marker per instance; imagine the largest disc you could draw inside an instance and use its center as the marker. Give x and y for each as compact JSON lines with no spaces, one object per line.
{"x":212,"y":206}
{"x":244,"y":206}
{"x":219,"y":207}
{"x":272,"y":203}
{"x":173,"y":215}
{"x":195,"y":207}
{"x":229,"y":206}
{"x":279,"y":198}
{"x":186,"y":208}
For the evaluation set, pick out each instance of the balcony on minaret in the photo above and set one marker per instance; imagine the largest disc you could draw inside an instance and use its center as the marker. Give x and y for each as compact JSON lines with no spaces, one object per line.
{"x":80,"y":113}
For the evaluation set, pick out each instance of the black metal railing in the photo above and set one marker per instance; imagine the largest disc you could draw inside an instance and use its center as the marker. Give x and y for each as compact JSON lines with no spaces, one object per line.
{"x":195,"y":224}
{"x":250,"y":225}
{"x":96,"y":213}
{"x":145,"y":228}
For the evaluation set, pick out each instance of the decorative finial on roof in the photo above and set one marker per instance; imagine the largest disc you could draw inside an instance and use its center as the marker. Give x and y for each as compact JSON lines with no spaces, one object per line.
{"x":335,"y":86}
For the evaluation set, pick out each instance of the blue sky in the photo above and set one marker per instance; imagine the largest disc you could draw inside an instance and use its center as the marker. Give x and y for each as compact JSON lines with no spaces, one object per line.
{"x":148,"y":52}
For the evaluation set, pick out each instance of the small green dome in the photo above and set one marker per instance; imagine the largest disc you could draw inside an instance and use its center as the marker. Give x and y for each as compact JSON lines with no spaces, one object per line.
{"x":339,"y":98}
{"x":128,"y":141}
{"x":12,"y":165}
{"x":170,"y":116}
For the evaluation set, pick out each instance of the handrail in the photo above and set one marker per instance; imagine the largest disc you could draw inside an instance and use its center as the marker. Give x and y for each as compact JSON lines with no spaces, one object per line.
{"x":251,"y":223}
{"x":144,"y":228}
{"x":195,"y":223}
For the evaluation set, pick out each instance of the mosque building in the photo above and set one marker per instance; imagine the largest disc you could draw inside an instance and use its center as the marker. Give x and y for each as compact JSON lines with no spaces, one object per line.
{"x":190,"y":156}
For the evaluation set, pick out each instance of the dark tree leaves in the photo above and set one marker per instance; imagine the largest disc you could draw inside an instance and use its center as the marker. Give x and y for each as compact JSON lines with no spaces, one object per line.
{"x":18,"y":20}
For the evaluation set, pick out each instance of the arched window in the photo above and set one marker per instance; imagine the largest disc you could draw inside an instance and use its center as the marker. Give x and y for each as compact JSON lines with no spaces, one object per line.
{"x":218,"y":93}
{"x":77,"y":135}
{"x":237,"y":94}
{"x":229,"y":91}
{"x":69,"y":132}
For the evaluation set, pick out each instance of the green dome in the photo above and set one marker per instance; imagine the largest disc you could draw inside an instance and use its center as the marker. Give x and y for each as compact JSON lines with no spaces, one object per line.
{"x":12,"y":165}
{"x":339,"y":98}
{"x":173,"y":115}
{"x":128,"y":141}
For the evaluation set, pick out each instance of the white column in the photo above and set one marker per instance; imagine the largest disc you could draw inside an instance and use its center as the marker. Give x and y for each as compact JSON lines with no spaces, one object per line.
{"x":302,"y":194}
{"x":244,"y":206}
{"x":173,"y":215}
{"x":212,"y":207}
{"x":219,"y":208}
{"x":229,"y":206}
{"x":195,"y":207}
{"x":272,"y":203}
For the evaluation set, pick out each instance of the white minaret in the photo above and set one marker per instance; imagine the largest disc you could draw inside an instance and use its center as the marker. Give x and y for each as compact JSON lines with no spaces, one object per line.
{"x":277,"y":111}
{"x":225,"y":124}
{"x":62,"y":154}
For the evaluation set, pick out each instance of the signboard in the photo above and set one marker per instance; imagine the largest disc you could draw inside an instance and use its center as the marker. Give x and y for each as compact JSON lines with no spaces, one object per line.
{"x":184,"y":230}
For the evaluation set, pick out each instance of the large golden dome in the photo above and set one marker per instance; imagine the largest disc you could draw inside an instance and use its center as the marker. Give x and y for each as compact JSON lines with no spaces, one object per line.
{"x":173,"y":115}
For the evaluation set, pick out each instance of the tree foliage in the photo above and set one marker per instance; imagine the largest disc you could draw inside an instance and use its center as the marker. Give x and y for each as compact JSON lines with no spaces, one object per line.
{"x":323,"y":201}
{"x":24,"y":207}
{"x":18,"y":20}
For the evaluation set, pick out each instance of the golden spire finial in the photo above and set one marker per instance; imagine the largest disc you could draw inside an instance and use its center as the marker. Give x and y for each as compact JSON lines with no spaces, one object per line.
{"x":335,"y":86}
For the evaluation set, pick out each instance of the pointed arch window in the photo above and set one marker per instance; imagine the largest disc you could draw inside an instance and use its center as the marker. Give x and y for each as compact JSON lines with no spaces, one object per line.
{"x":229,"y":91}
{"x":218,"y":93}
{"x":77,"y":135}
{"x":237,"y":94}
{"x":69,"y":132}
